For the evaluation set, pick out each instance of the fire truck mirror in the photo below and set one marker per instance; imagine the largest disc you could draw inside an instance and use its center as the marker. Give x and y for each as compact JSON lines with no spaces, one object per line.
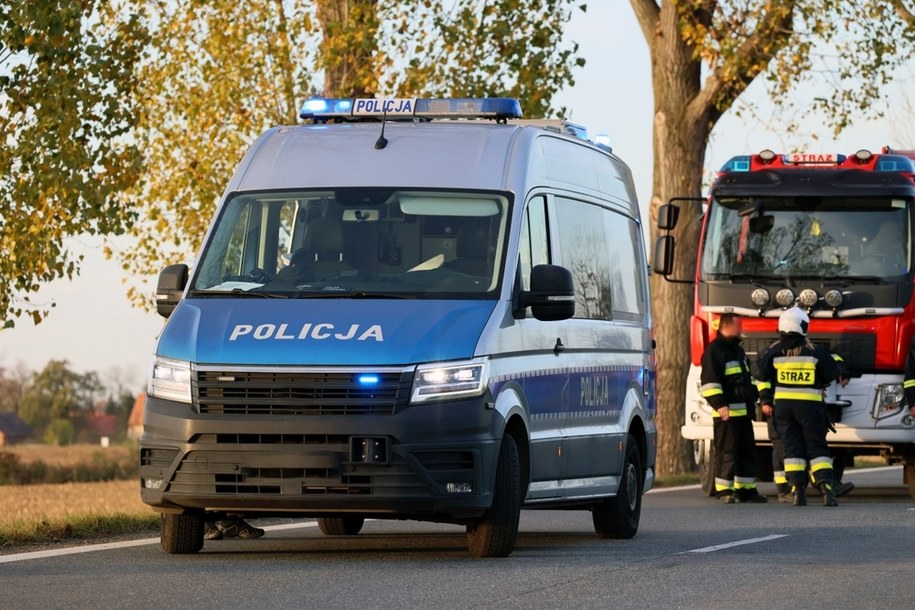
{"x":668,"y":214}
{"x":762,"y":224}
{"x":663,"y":261}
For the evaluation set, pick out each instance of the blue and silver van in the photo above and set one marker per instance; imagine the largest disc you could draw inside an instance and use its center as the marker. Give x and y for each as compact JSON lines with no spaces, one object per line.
{"x":408,"y":309}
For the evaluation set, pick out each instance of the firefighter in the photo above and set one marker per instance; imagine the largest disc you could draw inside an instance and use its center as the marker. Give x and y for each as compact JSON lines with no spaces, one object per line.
{"x":727,"y":386}
{"x":778,"y":450}
{"x":791,"y":374}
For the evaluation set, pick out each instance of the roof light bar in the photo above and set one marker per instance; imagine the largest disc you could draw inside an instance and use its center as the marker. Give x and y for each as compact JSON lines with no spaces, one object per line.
{"x":408,"y":108}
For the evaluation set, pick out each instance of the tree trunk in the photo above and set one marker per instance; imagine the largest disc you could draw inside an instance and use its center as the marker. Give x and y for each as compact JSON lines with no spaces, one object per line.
{"x":680,"y":139}
{"x":349,"y":47}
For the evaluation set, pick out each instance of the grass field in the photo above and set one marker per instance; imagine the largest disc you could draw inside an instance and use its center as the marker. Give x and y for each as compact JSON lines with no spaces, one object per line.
{"x":48,"y":502}
{"x":70,"y":455}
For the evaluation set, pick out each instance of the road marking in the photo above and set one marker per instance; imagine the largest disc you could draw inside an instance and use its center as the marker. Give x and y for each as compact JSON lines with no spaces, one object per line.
{"x":108,"y":546}
{"x":728,"y":545}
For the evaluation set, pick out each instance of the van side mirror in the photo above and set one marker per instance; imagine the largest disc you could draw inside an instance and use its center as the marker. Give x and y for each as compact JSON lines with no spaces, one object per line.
{"x":663,"y":260}
{"x":169,"y":288}
{"x":552,"y":293}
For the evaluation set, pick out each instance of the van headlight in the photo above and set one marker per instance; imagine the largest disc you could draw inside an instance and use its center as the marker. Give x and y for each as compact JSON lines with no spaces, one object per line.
{"x":450,"y":380}
{"x":170,"y":380}
{"x":890,"y":400}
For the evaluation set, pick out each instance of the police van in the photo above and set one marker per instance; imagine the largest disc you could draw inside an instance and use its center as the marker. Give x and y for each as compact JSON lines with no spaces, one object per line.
{"x":408,"y":309}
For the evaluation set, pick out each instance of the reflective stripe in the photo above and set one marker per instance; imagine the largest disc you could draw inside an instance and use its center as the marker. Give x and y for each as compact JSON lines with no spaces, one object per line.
{"x":763,"y":385}
{"x":795,"y":465}
{"x":710,"y":389}
{"x":723,"y":485}
{"x":744,"y":483}
{"x":733,"y":368}
{"x":798,"y":394}
{"x":805,"y":360}
{"x":820,"y":463}
{"x":908,"y":383}
{"x":735,"y":410}
{"x":780,"y":478}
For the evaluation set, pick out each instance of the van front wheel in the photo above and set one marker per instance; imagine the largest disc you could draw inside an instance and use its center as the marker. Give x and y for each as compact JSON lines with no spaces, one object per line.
{"x":618,"y":517}
{"x":340,"y":526}
{"x":495,"y":533}
{"x":181,"y":534}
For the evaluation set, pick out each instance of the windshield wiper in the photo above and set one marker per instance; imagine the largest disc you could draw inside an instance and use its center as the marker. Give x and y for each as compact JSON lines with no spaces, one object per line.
{"x":350,"y":294}
{"x":238,"y":292}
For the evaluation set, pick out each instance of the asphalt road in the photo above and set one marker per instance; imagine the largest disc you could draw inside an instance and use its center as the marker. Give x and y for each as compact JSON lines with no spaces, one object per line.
{"x":691,"y":552}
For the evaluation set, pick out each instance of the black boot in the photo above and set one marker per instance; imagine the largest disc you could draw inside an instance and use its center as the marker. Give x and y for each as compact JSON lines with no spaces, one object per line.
{"x":829,"y":496}
{"x":784,"y":492}
{"x":800,"y":496}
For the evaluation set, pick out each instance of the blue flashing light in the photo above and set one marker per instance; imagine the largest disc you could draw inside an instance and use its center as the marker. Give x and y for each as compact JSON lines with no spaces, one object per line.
{"x":895,"y":163}
{"x":368,"y":379}
{"x":400,"y":108}
{"x":737,"y":164}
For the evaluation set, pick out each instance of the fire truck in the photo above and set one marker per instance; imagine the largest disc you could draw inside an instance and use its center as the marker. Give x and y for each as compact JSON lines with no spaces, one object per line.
{"x":832,"y":234}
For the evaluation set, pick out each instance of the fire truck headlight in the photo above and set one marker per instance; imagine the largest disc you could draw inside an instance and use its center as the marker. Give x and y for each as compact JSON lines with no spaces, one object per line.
{"x":890,"y":400}
{"x":760,"y":297}
{"x":785,"y":297}
{"x":808,"y":297}
{"x":834,"y":298}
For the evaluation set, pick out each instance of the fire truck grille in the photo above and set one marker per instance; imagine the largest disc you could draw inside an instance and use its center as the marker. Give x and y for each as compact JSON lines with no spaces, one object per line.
{"x":301,"y":393}
{"x":857,"y":350}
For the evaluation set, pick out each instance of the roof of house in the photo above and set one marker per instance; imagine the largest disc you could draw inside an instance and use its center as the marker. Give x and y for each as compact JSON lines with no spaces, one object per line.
{"x":13,"y":426}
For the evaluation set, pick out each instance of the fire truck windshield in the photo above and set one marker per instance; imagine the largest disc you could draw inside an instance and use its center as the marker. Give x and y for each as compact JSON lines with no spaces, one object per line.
{"x":812,"y":237}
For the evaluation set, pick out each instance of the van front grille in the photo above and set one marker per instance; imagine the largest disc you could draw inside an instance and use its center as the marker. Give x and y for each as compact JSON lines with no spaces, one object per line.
{"x":280,"y":392}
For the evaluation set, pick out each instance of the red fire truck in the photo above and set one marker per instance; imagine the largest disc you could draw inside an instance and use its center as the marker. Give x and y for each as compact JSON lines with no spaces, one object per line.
{"x":832,"y":234}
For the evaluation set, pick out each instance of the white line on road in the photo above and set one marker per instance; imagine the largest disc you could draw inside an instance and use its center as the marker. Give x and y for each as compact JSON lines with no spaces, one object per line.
{"x":727,"y":545}
{"x":73,"y":550}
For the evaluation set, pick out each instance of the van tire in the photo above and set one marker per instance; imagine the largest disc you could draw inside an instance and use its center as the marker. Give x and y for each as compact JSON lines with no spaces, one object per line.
{"x":181,"y":534}
{"x":494,"y":534}
{"x":619,"y":516}
{"x":341,"y":526}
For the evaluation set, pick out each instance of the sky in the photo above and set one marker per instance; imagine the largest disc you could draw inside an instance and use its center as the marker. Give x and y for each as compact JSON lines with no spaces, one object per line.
{"x":95,"y":328}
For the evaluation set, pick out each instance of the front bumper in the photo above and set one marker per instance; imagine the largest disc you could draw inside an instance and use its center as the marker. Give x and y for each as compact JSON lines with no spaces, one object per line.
{"x":434,"y":460}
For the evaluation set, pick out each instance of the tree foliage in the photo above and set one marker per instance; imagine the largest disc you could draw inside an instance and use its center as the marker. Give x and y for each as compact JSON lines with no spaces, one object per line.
{"x":57,"y":393}
{"x":219,"y":73}
{"x":704,"y":55}
{"x":66,"y":107}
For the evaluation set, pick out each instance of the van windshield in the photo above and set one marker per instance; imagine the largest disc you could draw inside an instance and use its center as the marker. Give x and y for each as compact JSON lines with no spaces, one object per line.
{"x":357,"y":242}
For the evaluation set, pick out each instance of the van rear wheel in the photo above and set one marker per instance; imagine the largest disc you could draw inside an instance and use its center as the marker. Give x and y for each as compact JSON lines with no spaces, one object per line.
{"x":340,"y":526}
{"x":181,"y":534}
{"x":494,"y":534}
{"x":619,"y":516}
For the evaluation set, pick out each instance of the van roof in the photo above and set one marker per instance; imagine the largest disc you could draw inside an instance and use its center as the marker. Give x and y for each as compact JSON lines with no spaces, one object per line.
{"x":458,"y":154}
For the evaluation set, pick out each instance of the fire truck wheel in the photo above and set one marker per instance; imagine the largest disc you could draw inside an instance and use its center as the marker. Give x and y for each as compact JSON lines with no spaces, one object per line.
{"x":618,"y":517}
{"x":494,"y":534}
{"x":707,"y":471}
{"x":909,"y":476}
{"x":340,"y":526}
{"x":181,"y":534}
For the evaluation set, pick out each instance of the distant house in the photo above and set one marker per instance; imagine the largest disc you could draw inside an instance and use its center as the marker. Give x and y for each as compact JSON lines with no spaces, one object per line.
{"x":135,"y":421}
{"x":12,"y":429}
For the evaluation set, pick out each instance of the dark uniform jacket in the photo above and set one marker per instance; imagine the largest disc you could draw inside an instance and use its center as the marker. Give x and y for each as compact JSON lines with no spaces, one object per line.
{"x":908,"y":382}
{"x":725,"y":379}
{"x":800,"y":377}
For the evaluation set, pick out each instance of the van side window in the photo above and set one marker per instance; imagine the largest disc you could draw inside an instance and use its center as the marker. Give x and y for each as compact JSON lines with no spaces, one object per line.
{"x":584,"y":248}
{"x":535,"y":246}
{"x":626,"y":266}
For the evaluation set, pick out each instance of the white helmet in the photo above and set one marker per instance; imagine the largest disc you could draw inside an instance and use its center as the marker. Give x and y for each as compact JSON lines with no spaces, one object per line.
{"x":793,"y":320}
